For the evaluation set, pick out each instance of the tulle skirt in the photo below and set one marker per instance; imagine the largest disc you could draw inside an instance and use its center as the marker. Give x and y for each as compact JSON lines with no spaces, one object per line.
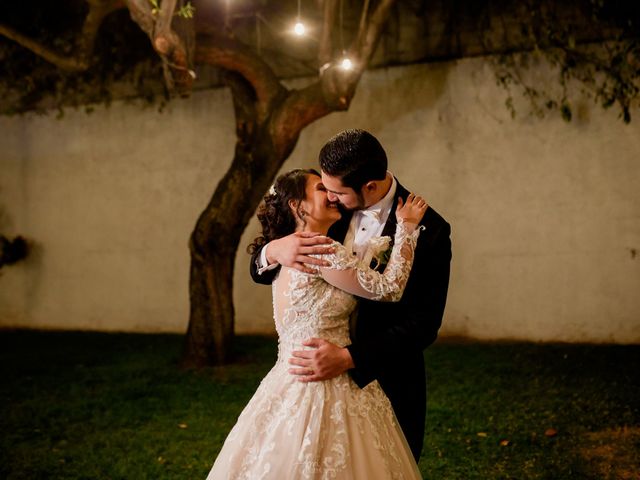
{"x":321,"y":430}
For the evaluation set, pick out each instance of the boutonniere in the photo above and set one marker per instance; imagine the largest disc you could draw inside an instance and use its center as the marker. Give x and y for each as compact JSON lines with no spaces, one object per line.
{"x":378,"y":250}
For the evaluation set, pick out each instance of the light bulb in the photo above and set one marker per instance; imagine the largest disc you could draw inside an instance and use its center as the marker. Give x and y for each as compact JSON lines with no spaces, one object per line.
{"x":346,"y":64}
{"x":299,"y":28}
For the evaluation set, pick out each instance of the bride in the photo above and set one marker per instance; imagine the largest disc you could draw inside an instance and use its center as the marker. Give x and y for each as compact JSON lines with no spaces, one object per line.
{"x":333,"y":429}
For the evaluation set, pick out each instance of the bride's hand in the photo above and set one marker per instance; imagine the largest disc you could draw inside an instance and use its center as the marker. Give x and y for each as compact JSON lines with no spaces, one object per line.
{"x":412,"y":210}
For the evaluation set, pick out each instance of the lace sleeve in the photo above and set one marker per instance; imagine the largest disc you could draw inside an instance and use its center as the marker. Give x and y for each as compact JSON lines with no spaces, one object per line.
{"x":351,"y":275}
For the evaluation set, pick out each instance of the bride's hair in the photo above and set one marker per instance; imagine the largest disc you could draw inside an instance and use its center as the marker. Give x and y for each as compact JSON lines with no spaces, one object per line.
{"x":274,"y":213}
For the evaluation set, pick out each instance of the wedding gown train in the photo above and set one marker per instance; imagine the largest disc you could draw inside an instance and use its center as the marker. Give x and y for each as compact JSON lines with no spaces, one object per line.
{"x":331,"y":429}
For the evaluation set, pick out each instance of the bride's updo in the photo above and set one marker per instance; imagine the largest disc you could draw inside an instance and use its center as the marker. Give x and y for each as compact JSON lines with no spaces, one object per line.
{"x":275,"y":215}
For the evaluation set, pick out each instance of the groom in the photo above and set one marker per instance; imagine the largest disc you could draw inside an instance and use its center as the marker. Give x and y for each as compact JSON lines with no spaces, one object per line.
{"x":387,"y":338}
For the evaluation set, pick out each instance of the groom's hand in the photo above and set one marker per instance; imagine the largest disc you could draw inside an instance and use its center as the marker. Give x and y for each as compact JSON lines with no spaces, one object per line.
{"x":325,"y":361}
{"x":294,"y":250}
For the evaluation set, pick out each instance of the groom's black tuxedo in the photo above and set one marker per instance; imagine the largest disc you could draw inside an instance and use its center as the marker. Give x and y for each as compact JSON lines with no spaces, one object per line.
{"x":388,"y":338}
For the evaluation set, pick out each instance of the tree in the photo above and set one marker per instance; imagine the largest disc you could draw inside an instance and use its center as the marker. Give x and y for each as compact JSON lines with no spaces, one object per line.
{"x":594,"y":44}
{"x":269,"y":118}
{"x":599,"y":47}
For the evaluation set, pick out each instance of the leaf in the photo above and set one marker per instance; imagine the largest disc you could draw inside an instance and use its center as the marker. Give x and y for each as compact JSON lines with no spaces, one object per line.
{"x":551,"y":432}
{"x":482,"y":434}
{"x":186,"y":11}
{"x":505,"y":443}
{"x":566,"y":112}
{"x":182,"y":425}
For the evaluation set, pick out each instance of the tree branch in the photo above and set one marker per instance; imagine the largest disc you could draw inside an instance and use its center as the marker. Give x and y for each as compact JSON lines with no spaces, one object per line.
{"x":299,"y":109}
{"x":140,"y":11}
{"x":165,"y":41}
{"x":163,"y":24}
{"x":370,"y":32}
{"x":225,"y":52}
{"x":325,"y":48}
{"x":80,"y":59}
{"x":98,"y":10}
{"x":243,"y":97}
{"x":63,"y":62}
{"x":362,"y":27}
{"x":335,"y":88}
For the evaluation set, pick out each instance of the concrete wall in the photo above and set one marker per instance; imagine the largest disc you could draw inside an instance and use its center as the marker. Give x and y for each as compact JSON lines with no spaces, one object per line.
{"x":545,"y":214}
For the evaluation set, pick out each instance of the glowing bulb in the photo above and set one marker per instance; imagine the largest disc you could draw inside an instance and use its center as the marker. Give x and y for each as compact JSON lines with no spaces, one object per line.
{"x":299,"y":28}
{"x":346,"y":64}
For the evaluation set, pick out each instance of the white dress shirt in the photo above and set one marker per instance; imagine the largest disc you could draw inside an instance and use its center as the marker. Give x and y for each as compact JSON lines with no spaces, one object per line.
{"x":369,"y":222}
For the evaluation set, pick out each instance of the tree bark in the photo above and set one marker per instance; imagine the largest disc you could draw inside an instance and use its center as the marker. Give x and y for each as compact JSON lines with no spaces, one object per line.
{"x":210,"y":334}
{"x":80,"y":59}
{"x":214,"y":244}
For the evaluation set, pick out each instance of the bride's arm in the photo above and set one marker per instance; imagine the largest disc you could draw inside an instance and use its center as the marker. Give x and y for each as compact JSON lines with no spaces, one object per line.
{"x":351,"y":275}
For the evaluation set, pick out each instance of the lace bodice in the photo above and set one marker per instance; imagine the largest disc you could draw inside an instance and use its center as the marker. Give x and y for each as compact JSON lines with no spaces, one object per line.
{"x":319,"y":305}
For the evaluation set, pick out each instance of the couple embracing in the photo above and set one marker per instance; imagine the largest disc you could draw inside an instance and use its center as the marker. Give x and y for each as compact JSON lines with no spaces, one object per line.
{"x":359,"y":269}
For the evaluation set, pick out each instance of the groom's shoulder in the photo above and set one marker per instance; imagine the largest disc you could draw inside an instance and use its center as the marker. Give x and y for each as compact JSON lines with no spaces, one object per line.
{"x":431,"y":216}
{"x":436,"y":227}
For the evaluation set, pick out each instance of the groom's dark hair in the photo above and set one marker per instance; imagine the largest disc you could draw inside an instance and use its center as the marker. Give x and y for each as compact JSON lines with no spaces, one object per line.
{"x":356,"y":157}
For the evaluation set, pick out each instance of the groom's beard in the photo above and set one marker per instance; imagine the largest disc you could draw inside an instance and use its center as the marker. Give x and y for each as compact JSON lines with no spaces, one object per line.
{"x":359,"y":206}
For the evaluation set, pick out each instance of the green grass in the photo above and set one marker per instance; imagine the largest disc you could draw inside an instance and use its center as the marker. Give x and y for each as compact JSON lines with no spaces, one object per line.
{"x":115,"y":406}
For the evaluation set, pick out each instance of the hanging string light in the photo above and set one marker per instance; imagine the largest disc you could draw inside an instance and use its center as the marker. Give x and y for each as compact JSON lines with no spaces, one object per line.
{"x":227,"y":16}
{"x":346,"y":63}
{"x":299,"y":28}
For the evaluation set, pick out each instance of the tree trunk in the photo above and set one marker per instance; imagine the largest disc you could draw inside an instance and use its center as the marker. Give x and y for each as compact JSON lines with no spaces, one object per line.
{"x":210,"y":334}
{"x":214,"y":244}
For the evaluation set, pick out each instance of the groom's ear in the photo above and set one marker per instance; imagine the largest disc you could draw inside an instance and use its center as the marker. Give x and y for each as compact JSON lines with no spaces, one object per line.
{"x":369,"y":187}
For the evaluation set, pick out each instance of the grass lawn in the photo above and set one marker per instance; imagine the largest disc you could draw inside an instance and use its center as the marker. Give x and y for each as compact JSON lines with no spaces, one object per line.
{"x":115,"y":406}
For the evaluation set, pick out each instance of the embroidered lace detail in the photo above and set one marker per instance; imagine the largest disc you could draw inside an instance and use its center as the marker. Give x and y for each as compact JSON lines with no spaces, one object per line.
{"x":388,"y":286}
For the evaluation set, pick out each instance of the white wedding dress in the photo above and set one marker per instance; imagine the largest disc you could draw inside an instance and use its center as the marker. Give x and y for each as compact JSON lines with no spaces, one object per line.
{"x":332,"y":429}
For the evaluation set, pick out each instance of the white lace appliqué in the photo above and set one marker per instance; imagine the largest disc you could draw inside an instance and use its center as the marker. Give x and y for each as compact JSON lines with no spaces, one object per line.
{"x":388,"y":286}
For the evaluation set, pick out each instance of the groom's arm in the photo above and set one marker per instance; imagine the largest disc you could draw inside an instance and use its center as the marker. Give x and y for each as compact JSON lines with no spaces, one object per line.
{"x":256,"y":268}
{"x":291,"y":251}
{"x":419,"y":313}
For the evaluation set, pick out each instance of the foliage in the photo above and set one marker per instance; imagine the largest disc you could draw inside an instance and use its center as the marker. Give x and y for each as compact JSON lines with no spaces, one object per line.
{"x":123,"y":64}
{"x":12,"y":251}
{"x":89,"y":405}
{"x":591,"y":45}
{"x":600,"y":58}
{"x":185,"y":11}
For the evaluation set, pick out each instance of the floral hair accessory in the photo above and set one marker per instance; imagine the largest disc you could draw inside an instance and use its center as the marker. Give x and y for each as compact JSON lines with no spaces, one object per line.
{"x":272,"y":191}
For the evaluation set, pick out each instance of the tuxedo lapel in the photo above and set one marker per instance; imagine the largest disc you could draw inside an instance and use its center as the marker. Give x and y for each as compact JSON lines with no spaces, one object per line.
{"x":389,"y":229}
